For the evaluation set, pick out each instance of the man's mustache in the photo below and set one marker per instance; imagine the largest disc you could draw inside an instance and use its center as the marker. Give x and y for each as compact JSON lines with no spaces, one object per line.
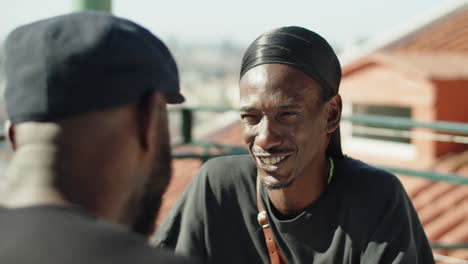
{"x":256,"y":150}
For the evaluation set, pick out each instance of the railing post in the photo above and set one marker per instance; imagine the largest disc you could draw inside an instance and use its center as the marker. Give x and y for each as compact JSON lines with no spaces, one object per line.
{"x":98,"y":5}
{"x":187,"y":121}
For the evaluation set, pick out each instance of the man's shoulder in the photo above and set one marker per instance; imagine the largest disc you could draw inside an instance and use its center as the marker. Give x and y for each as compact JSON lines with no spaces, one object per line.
{"x":236,"y":163}
{"x":144,"y":253}
{"x":368,"y":182}
{"x":370,"y":193}
{"x":356,"y":170}
{"x":226,"y":169}
{"x":127,"y":247}
{"x":75,"y":237}
{"x":226,"y":176}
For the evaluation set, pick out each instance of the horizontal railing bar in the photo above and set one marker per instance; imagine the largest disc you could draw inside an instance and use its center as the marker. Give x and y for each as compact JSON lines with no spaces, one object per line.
{"x":198,"y":156}
{"x":449,"y":246}
{"x":203,"y":108}
{"x":430,"y":175}
{"x":409,"y":134}
{"x":375,"y":120}
{"x":407,"y":123}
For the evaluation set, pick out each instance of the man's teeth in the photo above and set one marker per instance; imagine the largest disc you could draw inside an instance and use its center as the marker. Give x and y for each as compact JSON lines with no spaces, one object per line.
{"x":272,"y":160}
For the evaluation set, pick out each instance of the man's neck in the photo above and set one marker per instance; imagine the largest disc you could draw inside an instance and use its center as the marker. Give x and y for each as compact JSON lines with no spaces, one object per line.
{"x":305,"y":190}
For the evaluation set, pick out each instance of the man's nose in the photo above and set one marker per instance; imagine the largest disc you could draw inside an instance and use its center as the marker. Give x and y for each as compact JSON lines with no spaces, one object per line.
{"x":268,"y":135}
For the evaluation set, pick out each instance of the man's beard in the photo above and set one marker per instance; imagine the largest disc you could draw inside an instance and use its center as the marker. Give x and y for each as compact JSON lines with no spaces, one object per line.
{"x":145,"y":209}
{"x":279,"y":185}
{"x":274,"y":186}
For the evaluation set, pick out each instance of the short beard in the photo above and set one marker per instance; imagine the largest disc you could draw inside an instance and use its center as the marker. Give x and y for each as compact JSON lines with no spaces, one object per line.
{"x":146,"y":209}
{"x":275,"y":186}
{"x":279,"y":185}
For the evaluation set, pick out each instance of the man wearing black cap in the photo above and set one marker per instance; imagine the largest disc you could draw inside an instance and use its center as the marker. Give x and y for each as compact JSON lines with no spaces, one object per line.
{"x":297,"y":199}
{"x":86,"y":97}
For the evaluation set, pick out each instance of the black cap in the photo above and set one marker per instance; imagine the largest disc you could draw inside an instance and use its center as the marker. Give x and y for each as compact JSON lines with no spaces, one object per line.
{"x":307,"y":51}
{"x":83,"y":62}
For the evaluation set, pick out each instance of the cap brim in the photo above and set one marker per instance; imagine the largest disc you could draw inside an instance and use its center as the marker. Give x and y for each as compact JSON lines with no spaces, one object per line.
{"x":175,"y":98}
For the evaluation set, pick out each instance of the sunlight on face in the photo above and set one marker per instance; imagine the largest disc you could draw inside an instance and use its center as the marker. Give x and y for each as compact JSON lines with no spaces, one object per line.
{"x":284,"y":124}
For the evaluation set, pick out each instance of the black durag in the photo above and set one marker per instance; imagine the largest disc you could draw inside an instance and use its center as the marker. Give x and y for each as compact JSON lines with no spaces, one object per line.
{"x":307,"y":51}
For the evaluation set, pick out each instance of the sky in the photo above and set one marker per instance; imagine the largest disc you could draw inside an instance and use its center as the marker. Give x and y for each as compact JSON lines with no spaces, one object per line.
{"x":241,"y":21}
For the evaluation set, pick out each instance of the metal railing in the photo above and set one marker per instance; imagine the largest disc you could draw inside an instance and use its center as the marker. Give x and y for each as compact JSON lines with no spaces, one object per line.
{"x":186,"y":132}
{"x":187,"y":117}
{"x":406,"y":123}
{"x":99,"y":5}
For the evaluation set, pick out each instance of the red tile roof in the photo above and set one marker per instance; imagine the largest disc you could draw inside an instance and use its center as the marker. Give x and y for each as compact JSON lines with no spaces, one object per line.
{"x":446,"y":34}
{"x":185,"y":169}
{"x":433,"y":65}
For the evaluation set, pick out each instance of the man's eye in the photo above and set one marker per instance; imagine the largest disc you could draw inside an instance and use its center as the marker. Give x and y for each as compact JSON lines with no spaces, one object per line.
{"x":288,"y":114}
{"x":285,"y":116}
{"x":249,"y":118}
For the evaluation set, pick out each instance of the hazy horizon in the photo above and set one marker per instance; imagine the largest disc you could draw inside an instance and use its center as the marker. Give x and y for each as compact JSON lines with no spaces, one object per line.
{"x":240,"y":21}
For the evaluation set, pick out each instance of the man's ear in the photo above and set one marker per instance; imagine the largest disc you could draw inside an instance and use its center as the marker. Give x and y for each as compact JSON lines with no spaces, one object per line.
{"x":147,"y":113}
{"x":334,"y":106}
{"x":11,"y":136}
{"x":9,"y":133}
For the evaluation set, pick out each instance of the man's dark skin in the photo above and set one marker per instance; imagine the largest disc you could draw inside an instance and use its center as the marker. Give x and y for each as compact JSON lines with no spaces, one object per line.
{"x":283,"y":117}
{"x":113,"y":163}
{"x":296,"y":198}
{"x":85,"y":96}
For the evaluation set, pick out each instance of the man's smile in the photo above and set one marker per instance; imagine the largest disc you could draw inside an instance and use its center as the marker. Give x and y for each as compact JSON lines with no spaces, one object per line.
{"x":271,"y":163}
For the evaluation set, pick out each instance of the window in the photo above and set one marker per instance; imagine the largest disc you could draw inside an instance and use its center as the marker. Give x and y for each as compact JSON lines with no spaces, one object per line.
{"x":385,"y":133}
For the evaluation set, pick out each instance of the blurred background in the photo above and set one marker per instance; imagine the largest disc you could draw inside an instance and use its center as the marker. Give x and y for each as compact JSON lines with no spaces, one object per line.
{"x":404,"y":87}
{"x":208,"y":37}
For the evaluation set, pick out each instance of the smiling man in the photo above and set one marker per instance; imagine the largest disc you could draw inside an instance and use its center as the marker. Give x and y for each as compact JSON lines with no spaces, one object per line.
{"x":297,"y":198}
